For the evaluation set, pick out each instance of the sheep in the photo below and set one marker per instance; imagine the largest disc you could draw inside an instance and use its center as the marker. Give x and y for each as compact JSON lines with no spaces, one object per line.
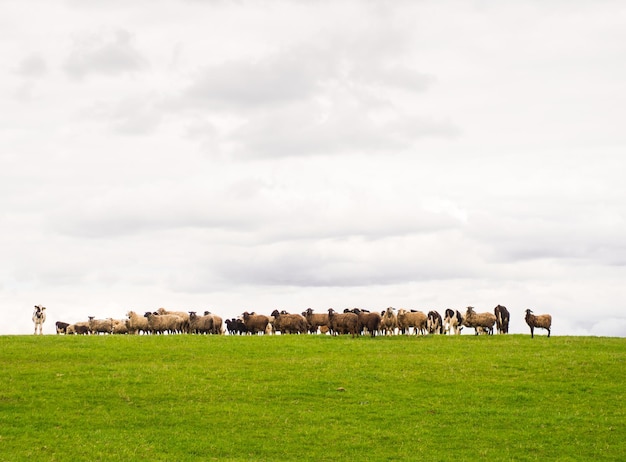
{"x":137,"y":323}
{"x":435,"y":325}
{"x":255,"y":323}
{"x":369,"y":322}
{"x":79,"y":328}
{"x":315,"y":320}
{"x":162,"y":323}
{"x":217,"y":323}
{"x":342,"y":323}
{"x":119,"y":327}
{"x":289,"y":323}
{"x":484,"y":320}
{"x":39,"y":317}
{"x":200,"y":324}
{"x":235,"y":326}
{"x":388,"y":322}
{"x":502,"y":319}
{"x":415,"y":319}
{"x":454,"y":321}
{"x":61,"y":327}
{"x":182,"y":314}
{"x":542,"y":321}
{"x":100,"y":325}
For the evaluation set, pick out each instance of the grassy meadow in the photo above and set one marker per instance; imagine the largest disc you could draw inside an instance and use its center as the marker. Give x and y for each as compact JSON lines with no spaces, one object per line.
{"x":312,"y":398}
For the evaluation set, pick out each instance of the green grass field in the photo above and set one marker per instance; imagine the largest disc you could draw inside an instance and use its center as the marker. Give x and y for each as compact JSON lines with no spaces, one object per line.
{"x":314,"y":398}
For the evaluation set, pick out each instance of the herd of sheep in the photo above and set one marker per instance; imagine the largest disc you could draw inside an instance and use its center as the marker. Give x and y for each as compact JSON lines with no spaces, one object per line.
{"x":350,"y":322}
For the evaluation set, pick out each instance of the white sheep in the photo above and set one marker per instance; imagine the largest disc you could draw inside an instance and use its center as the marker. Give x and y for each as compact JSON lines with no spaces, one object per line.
{"x":100,"y":325}
{"x":162,"y":323}
{"x":137,"y":323}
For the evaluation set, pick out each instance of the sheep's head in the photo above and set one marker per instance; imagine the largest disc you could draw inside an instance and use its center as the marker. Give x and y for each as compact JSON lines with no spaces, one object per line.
{"x":275,"y":313}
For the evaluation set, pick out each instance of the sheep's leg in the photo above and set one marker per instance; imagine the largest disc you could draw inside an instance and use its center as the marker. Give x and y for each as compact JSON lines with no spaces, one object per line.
{"x":532,"y":335}
{"x":548,"y":333}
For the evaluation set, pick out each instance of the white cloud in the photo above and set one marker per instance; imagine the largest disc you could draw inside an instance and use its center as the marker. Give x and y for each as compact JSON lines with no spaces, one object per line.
{"x":296,"y":154}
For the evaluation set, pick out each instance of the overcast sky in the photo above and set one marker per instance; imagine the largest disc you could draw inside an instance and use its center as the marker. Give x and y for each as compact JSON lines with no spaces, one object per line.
{"x":252,"y":155}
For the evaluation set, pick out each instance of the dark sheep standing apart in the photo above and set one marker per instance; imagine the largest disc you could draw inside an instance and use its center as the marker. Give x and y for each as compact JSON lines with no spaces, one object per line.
{"x":542,"y":321}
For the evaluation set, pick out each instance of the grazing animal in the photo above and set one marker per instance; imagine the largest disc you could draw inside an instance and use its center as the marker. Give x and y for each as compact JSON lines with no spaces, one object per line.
{"x":80,"y":328}
{"x":61,"y":327}
{"x":316,"y":320}
{"x":475,"y":320}
{"x":183,"y":314}
{"x":217,"y":323}
{"x":255,"y":323}
{"x":502,"y":319}
{"x":343,"y":323}
{"x":235,"y":326}
{"x":200,"y":324}
{"x":165,"y":323}
{"x":120,"y":326}
{"x":453,"y":321}
{"x":435,"y":324}
{"x":289,"y":323}
{"x":39,"y":317}
{"x":368,"y":322}
{"x":137,"y":323}
{"x":415,"y":319}
{"x":100,"y":325}
{"x":542,"y":321}
{"x":388,"y":322}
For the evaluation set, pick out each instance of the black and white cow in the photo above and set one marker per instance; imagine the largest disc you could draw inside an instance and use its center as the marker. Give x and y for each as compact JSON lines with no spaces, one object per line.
{"x":39,"y":317}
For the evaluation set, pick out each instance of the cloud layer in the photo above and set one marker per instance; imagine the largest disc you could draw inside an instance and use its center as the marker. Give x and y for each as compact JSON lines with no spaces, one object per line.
{"x":261,"y":155}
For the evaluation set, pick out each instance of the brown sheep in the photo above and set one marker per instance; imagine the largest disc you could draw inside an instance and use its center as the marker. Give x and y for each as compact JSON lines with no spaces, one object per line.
{"x":475,"y":320}
{"x":217,"y":323}
{"x":502,"y":319}
{"x":200,"y":324}
{"x":542,"y":321}
{"x":315,"y":320}
{"x":183,"y":314}
{"x":342,"y":323}
{"x":289,"y":323}
{"x":388,"y":322}
{"x":415,"y":319}
{"x":369,"y":322}
{"x":255,"y":323}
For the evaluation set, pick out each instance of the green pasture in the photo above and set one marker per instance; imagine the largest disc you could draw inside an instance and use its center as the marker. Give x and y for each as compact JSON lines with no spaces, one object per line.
{"x":312,"y":398}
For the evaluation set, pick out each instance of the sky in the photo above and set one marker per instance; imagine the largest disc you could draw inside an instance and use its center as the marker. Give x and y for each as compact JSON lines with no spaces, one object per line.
{"x":238,"y":155}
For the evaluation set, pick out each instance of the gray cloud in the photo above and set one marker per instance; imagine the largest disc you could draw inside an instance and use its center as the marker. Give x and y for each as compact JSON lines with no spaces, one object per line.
{"x":104,"y":54}
{"x":32,"y":66}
